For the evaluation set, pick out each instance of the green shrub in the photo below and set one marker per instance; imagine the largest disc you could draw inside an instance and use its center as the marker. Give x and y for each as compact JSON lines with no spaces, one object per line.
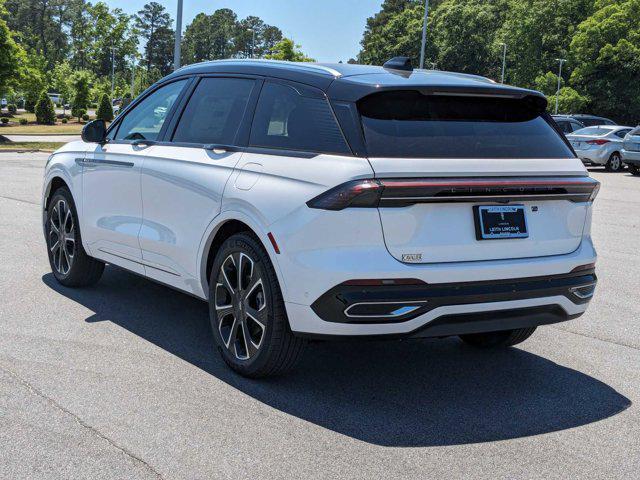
{"x":85,"y":117}
{"x":23,"y":121}
{"x":79,"y":113}
{"x":12,"y":108}
{"x":45,"y":112}
{"x":105,"y":110}
{"x":4,"y":120}
{"x":64,"y":120}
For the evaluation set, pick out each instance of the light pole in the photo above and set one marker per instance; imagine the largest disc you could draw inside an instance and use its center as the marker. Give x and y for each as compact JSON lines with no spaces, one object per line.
{"x":133,"y":76}
{"x":113,"y":69}
{"x":504,"y":60}
{"x":253,"y":41}
{"x":176,"y":46}
{"x":561,"y":60}
{"x":81,"y":52}
{"x":424,"y":33}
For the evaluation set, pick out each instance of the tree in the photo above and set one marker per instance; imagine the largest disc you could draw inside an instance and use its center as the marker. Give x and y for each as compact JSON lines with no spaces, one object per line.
{"x":605,"y":52}
{"x":105,"y":110}
{"x":45,"y":113}
{"x":569,"y":101}
{"x":81,"y":84}
{"x":287,"y":50}
{"x":463,"y":34}
{"x":61,"y":80}
{"x":11,"y":55}
{"x":395,"y":30}
{"x":536,"y":33}
{"x":153,"y":22}
{"x":32,"y":80}
{"x":548,"y":83}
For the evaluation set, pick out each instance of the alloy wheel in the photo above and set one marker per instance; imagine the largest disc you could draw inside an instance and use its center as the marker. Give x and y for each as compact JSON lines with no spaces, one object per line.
{"x":62,"y":239}
{"x":615,"y":162}
{"x":241,"y":307}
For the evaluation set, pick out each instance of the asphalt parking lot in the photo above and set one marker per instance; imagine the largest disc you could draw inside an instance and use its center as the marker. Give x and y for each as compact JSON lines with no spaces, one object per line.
{"x":121,"y":380}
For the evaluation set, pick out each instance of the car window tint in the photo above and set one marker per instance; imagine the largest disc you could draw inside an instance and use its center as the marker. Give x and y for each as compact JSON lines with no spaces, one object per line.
{"x":575,"y":126}
{"x":287,"y":119}
{"x":214,"y":112}
{"x":409,"y":124}
{"x":145,"y":121}
{"x":601,"y":130}
{"x":564,"y":126}
{"x":622,"y":133}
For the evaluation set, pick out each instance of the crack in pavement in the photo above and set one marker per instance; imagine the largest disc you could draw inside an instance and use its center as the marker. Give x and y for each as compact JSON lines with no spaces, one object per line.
{"x":82,"y":423}
{"x":19,"y":200}
{"x":633,"y":347}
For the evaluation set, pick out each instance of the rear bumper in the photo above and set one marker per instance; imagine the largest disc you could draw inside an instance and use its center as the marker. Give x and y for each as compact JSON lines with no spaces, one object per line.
{"x":593,"y":157}
{"x":423,"y":310}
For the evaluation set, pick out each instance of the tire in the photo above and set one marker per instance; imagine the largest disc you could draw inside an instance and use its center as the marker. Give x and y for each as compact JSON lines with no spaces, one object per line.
{"x":247,"y":312}
{"x":503,"y":339}
{"x":70,"y":264}
{"x":633,"y":169}
{"x":614,"y":164}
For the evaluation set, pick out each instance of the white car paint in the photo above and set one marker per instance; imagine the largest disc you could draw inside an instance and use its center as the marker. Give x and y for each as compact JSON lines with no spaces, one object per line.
{"x":155,"y":209}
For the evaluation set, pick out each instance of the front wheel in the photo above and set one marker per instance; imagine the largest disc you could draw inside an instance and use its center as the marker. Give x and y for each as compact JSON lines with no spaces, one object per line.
{"x":502,"y":339}
{"x":247,"y":312}
{"x":69,"y":262}
{"x":614,"y":164}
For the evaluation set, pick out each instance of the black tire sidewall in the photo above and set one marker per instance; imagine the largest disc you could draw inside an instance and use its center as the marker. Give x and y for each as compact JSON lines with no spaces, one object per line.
{"x":63,"y":194}
{"x":246,"y":243}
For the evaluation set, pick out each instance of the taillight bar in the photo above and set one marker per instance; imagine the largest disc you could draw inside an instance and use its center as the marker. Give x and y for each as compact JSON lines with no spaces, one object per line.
{"x":399,"y":192}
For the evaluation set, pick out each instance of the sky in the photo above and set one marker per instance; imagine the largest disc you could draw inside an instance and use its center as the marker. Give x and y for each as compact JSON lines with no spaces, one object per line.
{"x":327,"y":30}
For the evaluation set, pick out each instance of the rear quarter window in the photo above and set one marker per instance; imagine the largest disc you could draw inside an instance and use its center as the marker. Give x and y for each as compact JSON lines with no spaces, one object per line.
{"x":410,"y":124}
{"x":289,"y":118}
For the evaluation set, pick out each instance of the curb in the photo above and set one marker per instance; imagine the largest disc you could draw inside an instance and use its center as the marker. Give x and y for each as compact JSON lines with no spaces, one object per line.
{"x":25,"y":150}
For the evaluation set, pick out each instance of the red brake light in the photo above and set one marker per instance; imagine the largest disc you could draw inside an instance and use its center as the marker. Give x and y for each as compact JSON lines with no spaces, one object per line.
{"x":358,"y":193}
{"x":599,"y":141}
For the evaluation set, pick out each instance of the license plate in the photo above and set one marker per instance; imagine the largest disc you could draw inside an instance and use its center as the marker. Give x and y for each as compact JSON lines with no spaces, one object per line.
{"x":497,"y":222}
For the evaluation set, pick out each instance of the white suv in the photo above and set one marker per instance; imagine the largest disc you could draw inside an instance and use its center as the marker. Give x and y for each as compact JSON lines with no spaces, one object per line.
{"x":323,"y":201}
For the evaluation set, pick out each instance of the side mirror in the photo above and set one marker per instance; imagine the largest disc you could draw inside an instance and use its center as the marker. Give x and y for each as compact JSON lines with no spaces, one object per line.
{"x":94,"y":132}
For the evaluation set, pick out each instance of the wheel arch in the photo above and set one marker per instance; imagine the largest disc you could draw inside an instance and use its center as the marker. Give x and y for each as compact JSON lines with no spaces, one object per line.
{"x":227,"y":224}
{"x":54,"y":184}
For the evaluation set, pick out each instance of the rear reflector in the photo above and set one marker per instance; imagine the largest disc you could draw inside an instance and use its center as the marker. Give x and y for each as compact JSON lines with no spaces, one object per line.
{"x":391,"y":192}
{"x":274,"y":244}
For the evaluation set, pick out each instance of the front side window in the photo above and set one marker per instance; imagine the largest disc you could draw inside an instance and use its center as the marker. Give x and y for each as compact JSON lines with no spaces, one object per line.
{"x":215,"y":111}
{"x":410,"y":124}
{"x":564,"y":127}
{"x":145,"y":121}
{"x":287,"y":118}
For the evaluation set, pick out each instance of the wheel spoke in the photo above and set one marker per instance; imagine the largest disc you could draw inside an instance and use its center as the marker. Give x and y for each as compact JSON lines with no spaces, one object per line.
{"x":250,"y":347}
{"x":225,"y":278}
{"x":54,"y":229}
{"x":66,"y":222}
{"x":55,"y":246}
{"x":223,"y":310}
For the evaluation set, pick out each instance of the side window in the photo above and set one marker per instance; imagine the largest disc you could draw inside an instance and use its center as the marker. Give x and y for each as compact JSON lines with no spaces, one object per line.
{"x":575,"y":126}
{"x":146,"y":119}
{"x":622,"y":133}
{"x":285,"y":118}
{"x":564,"y":126}
{"x":214,"y":112}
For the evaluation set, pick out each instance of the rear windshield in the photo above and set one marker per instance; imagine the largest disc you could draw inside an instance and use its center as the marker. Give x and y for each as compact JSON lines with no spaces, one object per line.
{"x":593,"y":131}
{"x":409,"y":124}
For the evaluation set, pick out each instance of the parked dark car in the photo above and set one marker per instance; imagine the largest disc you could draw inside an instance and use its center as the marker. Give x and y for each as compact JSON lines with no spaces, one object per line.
{"x":567,"y":124}
{"x":591,"y":120}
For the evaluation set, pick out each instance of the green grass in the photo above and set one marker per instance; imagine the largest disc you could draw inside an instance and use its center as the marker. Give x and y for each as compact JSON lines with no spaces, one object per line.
{"x":14,"y":127}
{"x":47,"y":146}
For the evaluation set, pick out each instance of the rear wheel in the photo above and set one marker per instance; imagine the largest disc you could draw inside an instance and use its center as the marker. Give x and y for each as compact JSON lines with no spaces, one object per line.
{"x":69,"y":261}
{"x":247,"y":312}
{"x":502,"y":339}
{"x":614,"y":164}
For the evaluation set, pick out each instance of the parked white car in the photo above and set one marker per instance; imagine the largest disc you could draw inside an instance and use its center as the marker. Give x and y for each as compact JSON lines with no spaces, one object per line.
{"x":328,"y":201}
{"x":600,"y":145}
{"x":631,"y":151}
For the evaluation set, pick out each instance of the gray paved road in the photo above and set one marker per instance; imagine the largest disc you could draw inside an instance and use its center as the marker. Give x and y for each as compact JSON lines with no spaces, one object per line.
{"x":120,"y":381}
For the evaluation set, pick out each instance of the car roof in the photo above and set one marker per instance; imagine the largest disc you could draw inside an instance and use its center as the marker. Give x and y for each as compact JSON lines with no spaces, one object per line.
{"x":343,"y":81}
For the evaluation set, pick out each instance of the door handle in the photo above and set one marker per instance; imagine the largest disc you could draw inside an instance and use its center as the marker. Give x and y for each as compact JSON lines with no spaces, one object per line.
{"x":221,"y":149}
{"x":142,"y":141}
